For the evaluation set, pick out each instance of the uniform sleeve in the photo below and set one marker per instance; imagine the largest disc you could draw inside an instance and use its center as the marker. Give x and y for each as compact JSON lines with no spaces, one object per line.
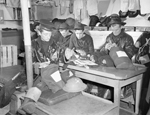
{"x":141,"y":40}
{"x":129,"y":47}
{"x":33,"y":51}
{"x":36,"y":55}
{"x":71,"y":43}
{"x":91,"y":45}
{"x":102,"y":49}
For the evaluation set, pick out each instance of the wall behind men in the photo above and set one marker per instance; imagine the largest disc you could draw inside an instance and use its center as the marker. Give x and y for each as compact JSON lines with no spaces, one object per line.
{"x":9,"y":21}
{"x":102,"y":9}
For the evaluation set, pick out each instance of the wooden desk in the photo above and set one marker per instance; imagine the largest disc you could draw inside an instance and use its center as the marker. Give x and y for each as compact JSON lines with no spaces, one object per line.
{"x":114,"y":78}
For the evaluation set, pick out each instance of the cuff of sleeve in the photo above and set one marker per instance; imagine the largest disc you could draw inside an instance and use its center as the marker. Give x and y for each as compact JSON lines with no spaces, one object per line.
{"x":66,"y":60}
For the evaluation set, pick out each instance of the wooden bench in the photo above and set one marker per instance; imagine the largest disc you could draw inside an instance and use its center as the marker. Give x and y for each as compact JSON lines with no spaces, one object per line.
{"x":99,"y":37}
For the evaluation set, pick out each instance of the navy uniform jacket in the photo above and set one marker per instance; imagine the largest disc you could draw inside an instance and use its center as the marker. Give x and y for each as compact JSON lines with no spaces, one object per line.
{"x":85,"y":43}
{"x":124,"y":41}
{"x":42,"y":51}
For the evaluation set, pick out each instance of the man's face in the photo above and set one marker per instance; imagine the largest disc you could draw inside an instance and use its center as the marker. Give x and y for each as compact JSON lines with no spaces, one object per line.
{"x":46,"y":35}
{"x":63,"y":32}
{"x":79,"y":33}
{"x":115,"y":28}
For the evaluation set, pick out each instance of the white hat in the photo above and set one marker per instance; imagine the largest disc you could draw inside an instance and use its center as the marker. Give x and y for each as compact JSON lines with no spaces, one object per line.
{"x":86,"y":21}
{"x":33,"y":93}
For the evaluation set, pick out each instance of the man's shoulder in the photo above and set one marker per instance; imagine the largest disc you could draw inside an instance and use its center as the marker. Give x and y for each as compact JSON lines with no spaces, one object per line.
{"x":73,"y":36}
{"x":127,"y":35}
{"x":127,"y":38}
{"x":88,"y":36}
{"x":34,"y":41}
{"x":109,"y":35}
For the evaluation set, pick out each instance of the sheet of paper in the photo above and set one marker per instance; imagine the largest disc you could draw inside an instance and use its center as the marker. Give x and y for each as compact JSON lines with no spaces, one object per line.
{"x":56,"y":76}
{"x":121,"y":54}
{"x":87,"y":62}
{"x":70,"y":74}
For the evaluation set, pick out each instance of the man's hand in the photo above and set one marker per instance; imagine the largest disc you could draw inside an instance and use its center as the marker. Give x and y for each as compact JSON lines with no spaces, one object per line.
{"x":81,"y":52}
{"x":108,"y":46}
{"x":22,"y":54}
{"x":137,"y":44}
{"x":36,"y":68}
{"x":144,"y":59}
{"x":44,"y":64}
{"x":69,"y":53}
{"x":54,"y":56}
{"x":92,"y":58}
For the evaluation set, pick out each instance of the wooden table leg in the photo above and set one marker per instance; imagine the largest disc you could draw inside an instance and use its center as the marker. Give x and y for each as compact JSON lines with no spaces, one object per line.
{"x":117,"y":90}
{"x":138,"y":94}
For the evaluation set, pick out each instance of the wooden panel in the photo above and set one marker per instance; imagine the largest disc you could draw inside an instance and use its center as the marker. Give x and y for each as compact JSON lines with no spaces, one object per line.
{"x":8,"y":55}
{"x":13,"y":38}
{"x":100,"y":28}
{"x":99,"y":37}
{"x":129,"y":28}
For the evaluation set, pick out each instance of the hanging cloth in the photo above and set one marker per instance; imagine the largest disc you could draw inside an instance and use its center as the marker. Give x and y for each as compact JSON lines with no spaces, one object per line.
{"x":145,"y":6}
{"x":92,"y":7}
{"x":56,"y":3}
{"x":83,"y":12}
{"x":85,"y":19}
{"x":13,"y":3}
{"x":56,"y":8}
{"x":71,"y":6}
{"x":77,"y":9}
{"x":124,"y":5}
{"x":134,"y":5}
{"x":63,"y":7}
{"x":114,"y":7}
{"x":131,"y":5}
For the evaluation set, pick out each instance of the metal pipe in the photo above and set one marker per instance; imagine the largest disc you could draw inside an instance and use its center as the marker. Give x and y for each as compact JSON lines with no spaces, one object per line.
{"x":27,"y":42}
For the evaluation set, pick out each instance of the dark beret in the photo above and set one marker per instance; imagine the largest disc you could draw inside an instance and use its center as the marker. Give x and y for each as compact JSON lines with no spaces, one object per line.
{"x":79,"y":26}
{"x":47,"y":24}
{"x":70,"y":22}
{"x":63,"y":26}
